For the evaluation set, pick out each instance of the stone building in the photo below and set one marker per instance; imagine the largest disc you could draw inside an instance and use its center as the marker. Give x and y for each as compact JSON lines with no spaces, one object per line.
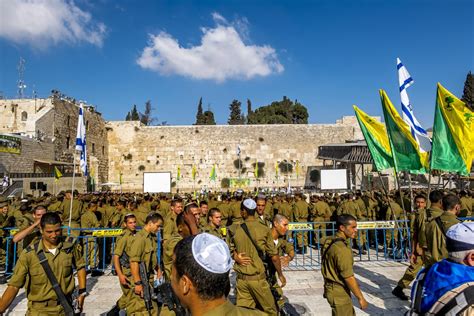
{"x":47,"y":128}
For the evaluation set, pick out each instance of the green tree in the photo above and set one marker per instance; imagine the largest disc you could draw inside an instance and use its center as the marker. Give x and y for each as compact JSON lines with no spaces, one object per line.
{"x":199,"y":115}
{"x":146,"y":118}
{"x":235,"y":117}
{"x":127,"y":118}
{"x":134,"y":115}
{"x":281,"y":112}
{"x":249,"y":112}
{"x":468,"y":93}
{"x":208,"y":118}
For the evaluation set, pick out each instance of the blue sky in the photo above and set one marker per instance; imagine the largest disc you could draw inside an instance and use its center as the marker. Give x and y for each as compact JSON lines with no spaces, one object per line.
{"x":327,"y":54}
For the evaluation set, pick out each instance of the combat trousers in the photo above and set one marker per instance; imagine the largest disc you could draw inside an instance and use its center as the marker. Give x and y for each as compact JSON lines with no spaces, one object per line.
{"x":136,"y":305}
{"x":302,"y":236}
{"x":255,"y":293}
{"x":90,"y":254}
{"x":319,"y":228}
{"x":339,"y":299}
{"x":127,"y":292}
{"x":411,"y":273}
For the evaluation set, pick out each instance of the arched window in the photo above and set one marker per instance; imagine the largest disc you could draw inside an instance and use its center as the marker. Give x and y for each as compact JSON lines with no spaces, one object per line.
{"x":24,"y":116}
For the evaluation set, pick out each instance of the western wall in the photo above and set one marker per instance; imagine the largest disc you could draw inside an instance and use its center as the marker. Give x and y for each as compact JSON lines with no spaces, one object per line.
{"x":134,"y":149}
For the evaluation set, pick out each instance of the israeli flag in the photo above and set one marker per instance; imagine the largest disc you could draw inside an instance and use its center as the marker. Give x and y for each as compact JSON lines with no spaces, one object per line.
{"x":81,"y":141}
{"x":418,"y":132}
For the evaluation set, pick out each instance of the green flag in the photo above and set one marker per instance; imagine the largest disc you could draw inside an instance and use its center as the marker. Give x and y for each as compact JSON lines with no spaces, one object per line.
{"x":376,"y":137}
{"x":405,"y":150}
{"x":57,"y":174}
{"x":213,"y":175}
{"x":453,"y":134}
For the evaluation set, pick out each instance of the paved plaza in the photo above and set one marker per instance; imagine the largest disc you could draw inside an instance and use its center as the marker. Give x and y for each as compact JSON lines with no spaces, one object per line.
{"x":304,"y":290}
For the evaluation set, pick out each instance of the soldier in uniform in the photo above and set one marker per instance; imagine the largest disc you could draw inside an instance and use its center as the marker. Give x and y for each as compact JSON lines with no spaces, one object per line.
{"x":62,"y":257}
{"x":285,"y":250}
{"x":261,"y":207}
{"x":170,"y":228}
{"x":394,"y":212}
{"x":143,"y":249}
{"x":201,"y":283}
{"x":337,"y":268}
{"x":436,"y":229}
{"x":203,"y":211}
{"x":252,"y":287}
{"x":120,"y":256}
{"x":416,"y":262}
{"x":213,"y":226}
{"x":75,"y":212}
{"x":300,"y":214}
{"x":89,"y":220}
{"x":5,"y":221}
{"x":31,"y":233}
{"x":466,"y":204}
{"x":320,"y":214}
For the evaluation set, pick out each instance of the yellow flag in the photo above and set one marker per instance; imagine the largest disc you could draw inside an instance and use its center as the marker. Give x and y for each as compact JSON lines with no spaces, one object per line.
{"x":276,"y":170}
{"x":255,"y":171}
{"x":297,"y":168}
{"x":57,"y":174}
{"x":193,"y":172}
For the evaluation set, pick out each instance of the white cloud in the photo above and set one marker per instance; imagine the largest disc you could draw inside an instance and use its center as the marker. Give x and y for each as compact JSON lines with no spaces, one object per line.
{"x":42,"y":22}
{"x":221,"y":55}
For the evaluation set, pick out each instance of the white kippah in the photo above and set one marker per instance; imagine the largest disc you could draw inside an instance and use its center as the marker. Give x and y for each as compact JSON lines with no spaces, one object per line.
{"x":250,"y":204}
{"x":211,"y":253}
{"x":460,"y":237}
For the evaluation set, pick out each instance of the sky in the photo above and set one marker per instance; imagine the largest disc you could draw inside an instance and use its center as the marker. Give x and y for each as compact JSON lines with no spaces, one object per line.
{"x":328,"y":55}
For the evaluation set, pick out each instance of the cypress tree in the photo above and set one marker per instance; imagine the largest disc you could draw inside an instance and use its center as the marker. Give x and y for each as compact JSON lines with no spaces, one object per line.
{"x":468,"y":93}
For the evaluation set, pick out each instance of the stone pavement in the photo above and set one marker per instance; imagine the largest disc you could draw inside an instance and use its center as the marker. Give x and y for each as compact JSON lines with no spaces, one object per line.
{"x":304,"y":290}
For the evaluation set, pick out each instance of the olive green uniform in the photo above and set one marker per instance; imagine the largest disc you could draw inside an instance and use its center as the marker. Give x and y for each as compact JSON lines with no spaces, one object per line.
{"x":300,"y":213}
{"x":169,"y":227}
{"x":336,"y":266}
{"x":284,"y":248}
{"x":89,"y":220}
{"x":28,"y":272}
{"x":320,"y":213}
{"x":436,"y":237}
{"x":252,"y":286}
{"x":121,"y":247}
{"x":394,"y":212}
{"x":143,"y":249}
{"x":213,"y":231}
{"x":466,"y":206}
{"x":76,"y":212}
{"x":168,"y":250}
{"x":230,"y":309}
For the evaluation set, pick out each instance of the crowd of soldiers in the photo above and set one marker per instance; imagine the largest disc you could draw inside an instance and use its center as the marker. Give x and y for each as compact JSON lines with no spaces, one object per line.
{"x":253,"y":225}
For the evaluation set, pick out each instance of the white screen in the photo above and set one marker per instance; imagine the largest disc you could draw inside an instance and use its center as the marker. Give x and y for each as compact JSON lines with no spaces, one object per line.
{"x":157,"y":182}
{"x":333,"y":179}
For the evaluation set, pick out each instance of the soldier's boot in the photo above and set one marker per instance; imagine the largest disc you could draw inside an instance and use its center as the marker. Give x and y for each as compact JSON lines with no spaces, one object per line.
{"x":398,"y":292}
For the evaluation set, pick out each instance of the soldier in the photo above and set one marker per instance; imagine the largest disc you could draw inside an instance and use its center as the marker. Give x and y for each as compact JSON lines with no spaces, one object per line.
{"x":300,"y":214}
{"x":89,"y":220}
{"x":170,"y":228}
{"x":31,"y":233}
{"x":120,"y":212}
{"x":203,"y":209}
{"x":5,"y":221}
{"x":249,"y":243}
{"x":416,"y":262}
{"x":436,"y":229}
{"x":74,"y":213}
{"x":285,"y":250}
{"x":337,"y":268}
{"x":143,"y":250}
{"x":261,"y":207}
{"x":62,"y":257}
{"x":122,"y":264}
{"x":201,"y":283}
{"x":56,"y":203}
{"x":321,"y":213}
{"x":234,"y":209}
{"x":466,"y":204}
{"x":394,"y":212}
{"x":213,"y":226}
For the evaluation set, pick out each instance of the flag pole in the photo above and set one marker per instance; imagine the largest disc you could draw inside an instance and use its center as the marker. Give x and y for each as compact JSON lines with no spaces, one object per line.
{"x":72,"y":193}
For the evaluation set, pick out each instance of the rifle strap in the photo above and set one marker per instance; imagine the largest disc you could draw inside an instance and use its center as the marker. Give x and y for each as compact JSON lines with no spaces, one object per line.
{"x":247,"y":232}
{"x":440,"y":225}
{"x":54,"y":282}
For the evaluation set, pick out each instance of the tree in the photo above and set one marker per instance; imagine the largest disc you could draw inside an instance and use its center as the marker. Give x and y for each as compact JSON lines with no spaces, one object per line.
{"x":235,"y":117}
{"x":128,"y":117}
{"x":281,"y":112}
{"x":208,"y":118}
{"x":468,"y":93}
{"x":134,"y":115}
{"x":250,"y":114}
{"x":199,"y":114}
{"x":146,"y":118}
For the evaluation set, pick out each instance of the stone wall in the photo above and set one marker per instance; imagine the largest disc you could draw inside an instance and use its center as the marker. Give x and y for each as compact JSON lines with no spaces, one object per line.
{"x":135,"y":149}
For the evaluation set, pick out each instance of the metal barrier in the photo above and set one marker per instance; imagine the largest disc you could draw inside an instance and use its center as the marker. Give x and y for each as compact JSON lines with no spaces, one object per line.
{"x":102,"y":239}
{"x":376,"y":241}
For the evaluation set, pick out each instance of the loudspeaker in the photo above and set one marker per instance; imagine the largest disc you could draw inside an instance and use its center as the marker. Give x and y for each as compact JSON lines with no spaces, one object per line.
{"x":39,"y":186}
{"x":45,"y":187}
{"x":32,"y":185}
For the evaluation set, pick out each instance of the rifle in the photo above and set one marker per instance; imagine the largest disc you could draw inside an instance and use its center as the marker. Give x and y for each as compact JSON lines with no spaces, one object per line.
{"x":146,"y":287}
{"x":165,"y":295}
